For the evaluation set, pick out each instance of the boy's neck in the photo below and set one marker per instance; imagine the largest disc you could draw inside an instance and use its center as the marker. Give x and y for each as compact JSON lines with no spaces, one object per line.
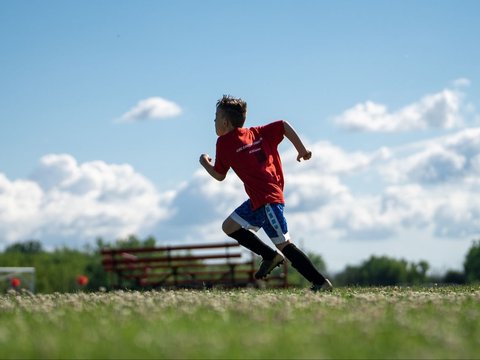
{"x":229,"y":128}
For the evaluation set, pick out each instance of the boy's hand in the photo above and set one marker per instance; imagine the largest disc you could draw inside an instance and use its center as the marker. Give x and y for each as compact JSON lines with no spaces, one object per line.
{"x":205,"y":159}
{"x":206,"y":162}
{"x":305,"y":156}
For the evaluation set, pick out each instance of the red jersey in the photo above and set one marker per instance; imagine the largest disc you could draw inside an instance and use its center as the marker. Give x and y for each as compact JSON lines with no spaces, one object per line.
{"x":253,"y":155}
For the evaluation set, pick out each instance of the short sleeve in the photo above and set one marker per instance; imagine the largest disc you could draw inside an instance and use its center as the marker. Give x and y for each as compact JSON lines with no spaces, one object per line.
{"x":273,"y":132}
{"x":221,"y":164}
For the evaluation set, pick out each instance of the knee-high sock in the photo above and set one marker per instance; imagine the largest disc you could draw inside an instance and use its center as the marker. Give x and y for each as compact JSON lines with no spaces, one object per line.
{"x":302,"y":263}
{"x":251,"y":241}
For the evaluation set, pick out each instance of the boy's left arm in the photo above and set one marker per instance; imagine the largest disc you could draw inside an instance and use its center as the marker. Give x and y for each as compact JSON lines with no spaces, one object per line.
{"x":292,"y":135}
{"x":206,"y":162}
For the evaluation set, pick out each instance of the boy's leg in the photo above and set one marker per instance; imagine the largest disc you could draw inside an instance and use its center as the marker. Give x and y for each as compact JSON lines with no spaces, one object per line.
{"x":270,"y":258}
{"x":236,"y":226}
{"x":249,"y":240}
{"x":302,"y":263}
{"x":277,"y":230}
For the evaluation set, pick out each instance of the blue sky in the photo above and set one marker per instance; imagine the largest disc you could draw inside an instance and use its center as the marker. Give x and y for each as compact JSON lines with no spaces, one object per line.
{"x":106,"y":106}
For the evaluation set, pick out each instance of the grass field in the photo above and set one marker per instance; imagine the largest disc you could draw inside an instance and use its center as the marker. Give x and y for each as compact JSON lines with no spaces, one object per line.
{"x":441,"y":322}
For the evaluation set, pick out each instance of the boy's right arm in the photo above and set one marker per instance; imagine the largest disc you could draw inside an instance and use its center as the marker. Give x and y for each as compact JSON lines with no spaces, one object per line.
{"x":206,"y":162}
{"x":292,"y":135}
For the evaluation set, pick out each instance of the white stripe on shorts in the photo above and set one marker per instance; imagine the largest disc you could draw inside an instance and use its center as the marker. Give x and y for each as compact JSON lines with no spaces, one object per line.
{"x":243,"y":223}
{"x":281,"y":237}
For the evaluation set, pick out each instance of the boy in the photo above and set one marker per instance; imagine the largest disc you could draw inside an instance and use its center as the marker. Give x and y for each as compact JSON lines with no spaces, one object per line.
{"x":252,"y":153}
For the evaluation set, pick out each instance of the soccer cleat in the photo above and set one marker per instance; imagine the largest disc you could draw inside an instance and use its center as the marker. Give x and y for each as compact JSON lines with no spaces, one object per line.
{"x":267,"y":266}
{"x":326,"y":286}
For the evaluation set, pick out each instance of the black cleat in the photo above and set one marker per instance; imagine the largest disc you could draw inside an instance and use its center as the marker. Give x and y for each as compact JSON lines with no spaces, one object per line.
{"x":326,"y":286}
{"x":267,"y":266}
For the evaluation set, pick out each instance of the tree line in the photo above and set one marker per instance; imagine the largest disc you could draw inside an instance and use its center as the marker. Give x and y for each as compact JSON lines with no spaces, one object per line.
{"x":68,"y":270}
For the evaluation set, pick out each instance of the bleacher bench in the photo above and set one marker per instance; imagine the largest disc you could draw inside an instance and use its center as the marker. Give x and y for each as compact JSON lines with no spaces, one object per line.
{"x":186,"y":266}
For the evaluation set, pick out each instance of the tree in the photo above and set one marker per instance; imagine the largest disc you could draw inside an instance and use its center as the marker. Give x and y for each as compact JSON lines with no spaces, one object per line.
{"x":130,"y":241}
{"x":417,"y":272}
{"x":382,"y":271}
{"x":27,"y":247}
{"x":58,"y":269}
{"x":454,"y":277}
{"x":472,"y":263}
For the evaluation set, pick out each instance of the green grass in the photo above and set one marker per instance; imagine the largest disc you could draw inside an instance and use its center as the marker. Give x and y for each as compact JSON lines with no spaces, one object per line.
{"x":348,"y":323}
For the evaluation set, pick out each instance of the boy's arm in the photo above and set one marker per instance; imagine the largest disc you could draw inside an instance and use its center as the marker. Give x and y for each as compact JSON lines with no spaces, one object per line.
{"x":205,"y":160}
{"x":292,"y":135}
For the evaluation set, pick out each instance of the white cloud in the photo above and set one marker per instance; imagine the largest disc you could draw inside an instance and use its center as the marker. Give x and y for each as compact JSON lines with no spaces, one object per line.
{"x":433,"y":188}
{"x":439,"y":161}
{"x":330,"y":159}
{"x":461,"y":82}
{"x":150,"y":109}
{"x":458,"y":216}
{"x":435,"y":165}
{"x":311,"y":191}
{"x":69,"y":203}
{"x":203,"y":199}
{"x":20,"y":203}
{"x":440,"y":111}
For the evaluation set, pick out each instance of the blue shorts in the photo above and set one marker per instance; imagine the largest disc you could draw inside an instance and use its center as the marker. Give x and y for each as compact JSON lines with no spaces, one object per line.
{"x":269,"y":217}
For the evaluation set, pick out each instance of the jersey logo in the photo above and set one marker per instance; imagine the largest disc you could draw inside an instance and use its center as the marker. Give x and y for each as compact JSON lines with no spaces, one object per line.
{"x":255,"y":149}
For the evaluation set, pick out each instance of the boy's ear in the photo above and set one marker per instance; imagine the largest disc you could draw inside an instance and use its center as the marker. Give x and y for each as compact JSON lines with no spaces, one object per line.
{"x":224,"y":119}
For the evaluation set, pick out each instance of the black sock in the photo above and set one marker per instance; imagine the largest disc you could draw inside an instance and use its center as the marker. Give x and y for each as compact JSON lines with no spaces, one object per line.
{"x":302,"y":263}
{"x":251,"y":241}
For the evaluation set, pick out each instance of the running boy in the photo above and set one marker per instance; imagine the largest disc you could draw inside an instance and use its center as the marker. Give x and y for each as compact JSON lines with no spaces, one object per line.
{"x":252,"y":153}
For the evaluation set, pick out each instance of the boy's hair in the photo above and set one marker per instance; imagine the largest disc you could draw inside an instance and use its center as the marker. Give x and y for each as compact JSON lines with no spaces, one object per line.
{"x":235,"y":110}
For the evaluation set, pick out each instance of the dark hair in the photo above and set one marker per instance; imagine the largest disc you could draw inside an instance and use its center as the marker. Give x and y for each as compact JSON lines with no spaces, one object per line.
{"x":234,"y":109}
